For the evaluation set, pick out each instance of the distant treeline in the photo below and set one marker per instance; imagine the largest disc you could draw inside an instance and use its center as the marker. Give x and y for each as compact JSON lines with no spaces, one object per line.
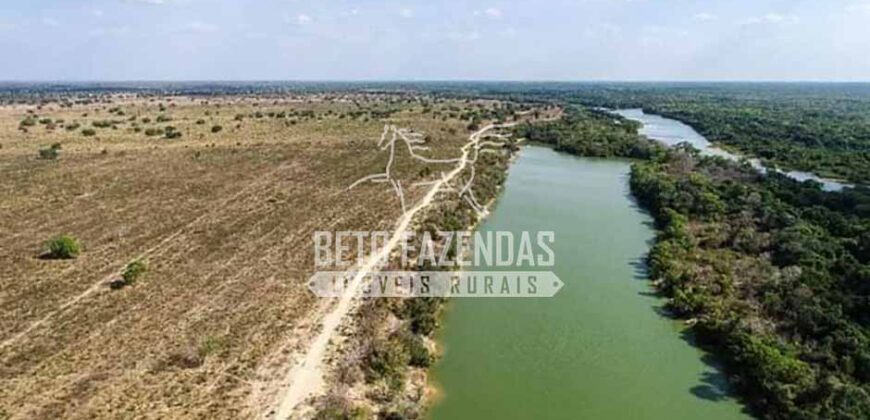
{"x":817,"y":127}
{"x":590,"y":133}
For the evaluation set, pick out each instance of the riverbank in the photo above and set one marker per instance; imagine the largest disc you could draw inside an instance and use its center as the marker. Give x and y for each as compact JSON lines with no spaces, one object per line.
{"x":761,"y":267}
{"x":409,"y":395}
{"x":770,"y":281}
{"x":735,"y":255}
{"x":380,"y":363}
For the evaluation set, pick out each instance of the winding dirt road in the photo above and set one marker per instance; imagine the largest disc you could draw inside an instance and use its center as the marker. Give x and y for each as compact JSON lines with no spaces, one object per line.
{"x":306,"y":379}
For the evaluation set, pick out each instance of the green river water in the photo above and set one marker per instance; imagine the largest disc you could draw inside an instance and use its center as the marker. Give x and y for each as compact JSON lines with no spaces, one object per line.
{"x":601,"y":348}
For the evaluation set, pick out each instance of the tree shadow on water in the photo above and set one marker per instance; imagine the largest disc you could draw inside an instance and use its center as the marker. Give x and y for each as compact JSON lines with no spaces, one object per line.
{"x":639,"y":268}
{"x":713,"y":384}
{"x":713,"y":387}
{"x":641,"y":273}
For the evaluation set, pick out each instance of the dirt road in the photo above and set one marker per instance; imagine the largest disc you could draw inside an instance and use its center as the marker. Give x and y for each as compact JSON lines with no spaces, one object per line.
{"x":306,"y":379}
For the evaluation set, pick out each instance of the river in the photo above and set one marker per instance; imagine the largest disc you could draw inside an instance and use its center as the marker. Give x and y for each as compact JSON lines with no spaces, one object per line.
{"x":671,"y":132}
{"x":602,"y":347}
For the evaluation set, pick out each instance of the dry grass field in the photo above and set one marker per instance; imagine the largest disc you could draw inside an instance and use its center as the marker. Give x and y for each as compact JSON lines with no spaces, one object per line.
{"x":223,"y":219}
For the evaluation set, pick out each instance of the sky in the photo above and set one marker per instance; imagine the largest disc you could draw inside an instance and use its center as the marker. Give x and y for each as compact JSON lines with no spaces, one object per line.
{"x":568,"y":40}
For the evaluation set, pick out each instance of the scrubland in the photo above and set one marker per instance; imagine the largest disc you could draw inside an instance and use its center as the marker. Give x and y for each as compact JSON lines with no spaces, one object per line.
{"x":219,"y":196}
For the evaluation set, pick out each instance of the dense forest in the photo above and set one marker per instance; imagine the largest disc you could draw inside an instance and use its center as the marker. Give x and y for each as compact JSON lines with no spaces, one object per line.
{"x":591,"y":133}
{"x":827,"y":136}
{"x":819,"y":128}
{"x":773,"y":275}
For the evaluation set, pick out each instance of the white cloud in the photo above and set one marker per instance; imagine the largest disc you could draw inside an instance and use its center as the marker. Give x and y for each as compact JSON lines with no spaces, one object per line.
{"x":406,"y":13}
{"x":493,"y":12}
{"x":463,"y":36}
{"x":704,"y":16}
{"x":157,"y":2}
{"x":202,"y":27}
{"x":610,"y":29}
{"x":863,"y":7}
{"x":656,"y":36}
{"x":350,"y":13}
{"x":771,"y":19}
{"x":97,"y":12}
{"x":50,"y":22}
{"x":114,"y":31}
{"x":303,"y":19}
{"x":604,"y":30}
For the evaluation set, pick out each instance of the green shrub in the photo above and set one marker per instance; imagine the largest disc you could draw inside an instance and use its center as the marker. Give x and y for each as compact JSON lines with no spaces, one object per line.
{"x":50,"y":153}
{"x":211,"y":345}
{"x":417,"y":350}
{"x":387,"y":359}
{"x":200,"y":122}
{"x":163,"y":118}
{"x":216,"y":129}
{"x":153,"y":131}
{"x":89,"y":132}
{"x":28,"y":122}
{"x":62,"y":247}
{"x":171,"y":133}
{"x":333,"y":408}
{"x":337,"y":406}
{"x":133,"y":271}
{"x":423,"y":314}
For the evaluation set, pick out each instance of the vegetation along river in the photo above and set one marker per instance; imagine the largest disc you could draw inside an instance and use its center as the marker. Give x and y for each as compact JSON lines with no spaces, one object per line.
{"x":601,"y":348}
{"x":672,"y":132}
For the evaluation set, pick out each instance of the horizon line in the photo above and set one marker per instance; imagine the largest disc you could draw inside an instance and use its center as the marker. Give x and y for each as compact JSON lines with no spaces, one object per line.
{"x":710,"y":81}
